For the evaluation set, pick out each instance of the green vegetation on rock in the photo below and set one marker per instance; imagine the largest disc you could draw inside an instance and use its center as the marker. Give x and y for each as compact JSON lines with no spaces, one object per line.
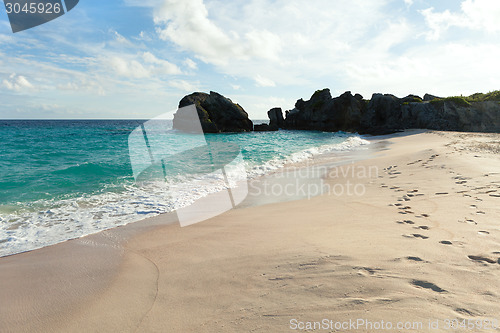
{"x":459,"y":100}
{"x":480,"y":97}
{"x":467,"y":100}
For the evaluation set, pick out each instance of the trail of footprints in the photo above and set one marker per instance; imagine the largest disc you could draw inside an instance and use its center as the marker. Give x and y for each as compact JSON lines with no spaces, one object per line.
{"x":404,"y":208}
{"x":403,"y":205}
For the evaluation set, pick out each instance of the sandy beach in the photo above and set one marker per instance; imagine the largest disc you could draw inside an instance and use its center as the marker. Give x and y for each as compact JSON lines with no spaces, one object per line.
{"x":408,"y":240}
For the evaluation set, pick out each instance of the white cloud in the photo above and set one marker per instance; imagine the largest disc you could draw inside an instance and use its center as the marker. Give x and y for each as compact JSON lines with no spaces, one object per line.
{"x":83,"y":84}
{"x":120,"y":39}
{"x":479,"y":15}
{"x":183,"y":85}
{"x":128,"y":68}
{"x":264,"y":82}
{"x":145,"y":65}
{"x":17,"y":83}
{"x":292,"y":43}
{"x":187,"y":24}
{"x":408,"y":2}
{"x":160,"y":66}
{"x":190,"y":64}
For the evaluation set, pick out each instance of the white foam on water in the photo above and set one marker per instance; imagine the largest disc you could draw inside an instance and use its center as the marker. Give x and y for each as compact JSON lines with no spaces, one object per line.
{"x":65,"y":219}
{"x":277,"y":163}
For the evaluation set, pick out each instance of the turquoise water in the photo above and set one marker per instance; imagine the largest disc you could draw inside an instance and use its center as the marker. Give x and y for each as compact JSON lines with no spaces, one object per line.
{"x":62,"y":179}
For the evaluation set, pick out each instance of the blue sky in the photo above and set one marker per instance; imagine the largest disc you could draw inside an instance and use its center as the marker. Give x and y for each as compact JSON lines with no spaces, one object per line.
{"x":138,"y":58}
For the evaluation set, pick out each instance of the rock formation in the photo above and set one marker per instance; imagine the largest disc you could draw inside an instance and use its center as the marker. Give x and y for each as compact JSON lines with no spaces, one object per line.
{"x":324,"y":113}
{"x":387,"y":114}
{"x":383,"y":114}
{"x":263,"y":128}
{"x":216,"y":112}
{"x":276,"y":119}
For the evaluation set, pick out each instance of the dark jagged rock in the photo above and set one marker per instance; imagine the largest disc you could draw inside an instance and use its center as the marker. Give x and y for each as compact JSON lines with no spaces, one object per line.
{"x":216,"y":112}
{"x":448,"y":115}
{"x":324,"y":113}
{"x":276,"y":119}
{"x":264,"y":128}
{"x":385,"y":114}
{"x":429,"y":97}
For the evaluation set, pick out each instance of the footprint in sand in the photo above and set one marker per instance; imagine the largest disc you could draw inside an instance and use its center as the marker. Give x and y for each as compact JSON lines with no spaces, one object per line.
{"x":482,"y":259}
{"x":465,"y":312}
{"x":484,"y":233}
{"x":427,"y":285}
{"x":469,"y":221}
{"x":480,"y":212}
{"x":423,"y":227}
{"x":405,"y":222}
{"x":445,"y":242}
{"x":441,"y":193}
{"x":417,"y":236}
{"x":414,"y":258}
{"x":367,"y":271}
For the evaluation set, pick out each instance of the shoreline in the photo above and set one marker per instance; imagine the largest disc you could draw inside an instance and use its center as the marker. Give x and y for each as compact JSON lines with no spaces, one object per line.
{"x":230,"y":249}
{"x":41,"y":264}
{"x":90,"y":213}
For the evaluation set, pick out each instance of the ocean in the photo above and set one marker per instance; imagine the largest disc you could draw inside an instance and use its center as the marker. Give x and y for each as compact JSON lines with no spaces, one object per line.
{"x":64,"y":179}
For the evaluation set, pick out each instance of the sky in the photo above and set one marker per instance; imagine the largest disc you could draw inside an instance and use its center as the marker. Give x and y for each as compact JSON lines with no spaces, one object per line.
{"x":138,"y":58}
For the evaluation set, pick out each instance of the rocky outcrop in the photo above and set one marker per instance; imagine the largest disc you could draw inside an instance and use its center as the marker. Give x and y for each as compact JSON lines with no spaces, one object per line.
{"x":276,"y":119}
{"x":387,"y":113}
{"x":264,"y":128}
{"x":216,"y":112}
{"x":324,"y":113}
{"x":450,"y":115}
{"x":383,"y":114}
{"x":429,"y":97}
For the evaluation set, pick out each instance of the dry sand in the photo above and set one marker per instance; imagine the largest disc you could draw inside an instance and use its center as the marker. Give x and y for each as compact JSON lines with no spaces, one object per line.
{"x":421,"y":243}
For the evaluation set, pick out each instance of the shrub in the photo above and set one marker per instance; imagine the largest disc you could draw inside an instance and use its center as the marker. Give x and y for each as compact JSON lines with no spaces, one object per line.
{"x":480,"y":97}
{"x":459,"y":100}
